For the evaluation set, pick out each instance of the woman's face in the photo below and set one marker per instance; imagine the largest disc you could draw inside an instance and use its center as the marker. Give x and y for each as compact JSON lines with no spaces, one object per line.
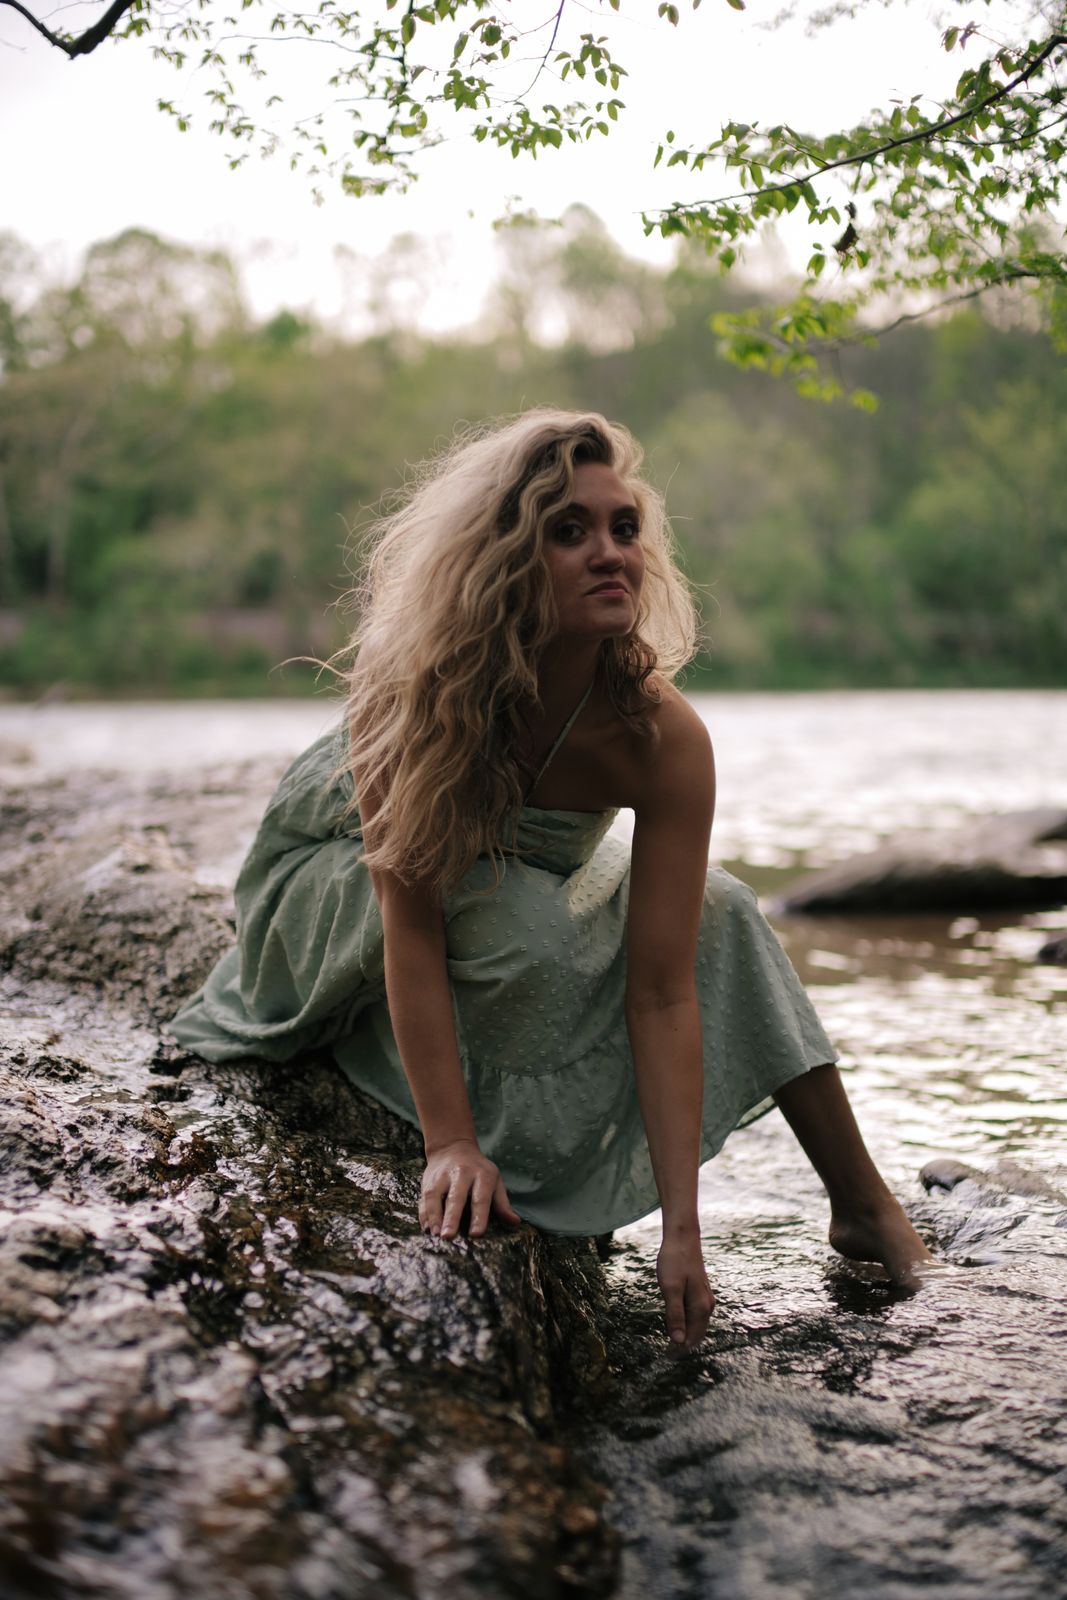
{"x":594,"y":557}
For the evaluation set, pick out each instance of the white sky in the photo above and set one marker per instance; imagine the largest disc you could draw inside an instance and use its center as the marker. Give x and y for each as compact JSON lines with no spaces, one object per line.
{"x":87,"y":154}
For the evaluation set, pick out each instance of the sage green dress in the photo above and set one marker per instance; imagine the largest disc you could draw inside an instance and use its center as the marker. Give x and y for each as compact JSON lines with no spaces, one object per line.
{"x":537,"y":969}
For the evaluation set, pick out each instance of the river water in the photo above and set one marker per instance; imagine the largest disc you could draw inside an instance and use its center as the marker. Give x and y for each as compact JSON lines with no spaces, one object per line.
{"x":833,"y":1437}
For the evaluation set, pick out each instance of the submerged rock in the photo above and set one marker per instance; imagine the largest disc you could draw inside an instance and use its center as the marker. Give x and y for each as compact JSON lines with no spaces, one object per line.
{"x":231,"y":1362}
{"x":1004,"y":1177}
{"x":1016,"y":860}
{"x":1054,"y":953}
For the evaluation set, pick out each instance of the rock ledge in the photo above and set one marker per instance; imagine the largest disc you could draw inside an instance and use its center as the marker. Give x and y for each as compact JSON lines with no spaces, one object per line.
{"x":231,"y":1363}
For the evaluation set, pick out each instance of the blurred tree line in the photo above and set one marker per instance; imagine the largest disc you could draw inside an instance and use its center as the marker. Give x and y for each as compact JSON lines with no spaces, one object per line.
{"x":179,"y":484}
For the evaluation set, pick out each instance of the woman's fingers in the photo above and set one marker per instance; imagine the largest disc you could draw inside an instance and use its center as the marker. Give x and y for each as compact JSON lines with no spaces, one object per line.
{"x":481,"y":1200}
{"x":502,"y":1204}
{"x":674,"y":1298}
{"x":450,"y":1184}
{"x":699,"y":1304}
{"x":689,"y":1312}
{"x":431,"y":1203}
{"x":686,"y":1293}
{"x":457,"y":1199}
{"x":487,"y":1195}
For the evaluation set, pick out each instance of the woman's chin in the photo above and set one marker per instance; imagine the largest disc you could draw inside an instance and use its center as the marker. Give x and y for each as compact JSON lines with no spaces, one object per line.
{"x":608,"y":626}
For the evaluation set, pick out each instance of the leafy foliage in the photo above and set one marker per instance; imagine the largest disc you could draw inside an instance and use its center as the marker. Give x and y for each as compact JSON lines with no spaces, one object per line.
{"x":178,"y":484}
{"x":917,"y":205}
{"x":956,"y":200}
{"x":397,"y":76}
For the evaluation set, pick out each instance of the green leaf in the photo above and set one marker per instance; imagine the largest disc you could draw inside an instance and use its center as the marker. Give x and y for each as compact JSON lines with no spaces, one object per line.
{"x":863,"y":399}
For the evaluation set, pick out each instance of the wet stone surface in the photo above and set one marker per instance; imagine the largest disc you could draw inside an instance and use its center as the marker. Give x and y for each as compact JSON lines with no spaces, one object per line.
{"x":231,"y":1362}
{"x":836,"y":1437}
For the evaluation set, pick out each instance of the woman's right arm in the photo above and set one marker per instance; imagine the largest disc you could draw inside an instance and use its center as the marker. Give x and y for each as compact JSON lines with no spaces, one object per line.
{"x":420,"y":1010}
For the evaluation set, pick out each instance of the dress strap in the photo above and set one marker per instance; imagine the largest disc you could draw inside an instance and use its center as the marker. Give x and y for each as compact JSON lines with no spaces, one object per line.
{"x":563,"y":732}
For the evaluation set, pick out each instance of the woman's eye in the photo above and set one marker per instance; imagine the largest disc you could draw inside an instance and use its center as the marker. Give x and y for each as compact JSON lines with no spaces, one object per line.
{"x":569,"y":532}
{"x":627,"y":529}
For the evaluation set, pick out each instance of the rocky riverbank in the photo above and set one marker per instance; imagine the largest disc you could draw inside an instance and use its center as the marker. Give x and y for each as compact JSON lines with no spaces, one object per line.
{"x":232,"y":1364}
{"x":229,"y":1366}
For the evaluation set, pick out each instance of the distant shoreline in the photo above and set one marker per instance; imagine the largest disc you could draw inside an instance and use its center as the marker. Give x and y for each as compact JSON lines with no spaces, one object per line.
{"x":695,"y":680}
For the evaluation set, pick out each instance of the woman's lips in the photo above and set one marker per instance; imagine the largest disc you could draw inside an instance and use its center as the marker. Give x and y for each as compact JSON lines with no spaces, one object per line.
{"x":609,"y":588}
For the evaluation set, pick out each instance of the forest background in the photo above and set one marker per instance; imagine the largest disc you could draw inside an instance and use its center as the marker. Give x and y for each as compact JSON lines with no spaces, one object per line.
{"x":182,"y":486}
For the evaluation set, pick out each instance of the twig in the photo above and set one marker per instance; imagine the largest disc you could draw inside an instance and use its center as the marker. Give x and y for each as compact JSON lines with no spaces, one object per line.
{"x":548,"y":51}
{"x":1015,"y":276}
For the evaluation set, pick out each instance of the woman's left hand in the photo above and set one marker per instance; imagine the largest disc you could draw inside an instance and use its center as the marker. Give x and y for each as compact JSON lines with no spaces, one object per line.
{"x":686,"y":1291}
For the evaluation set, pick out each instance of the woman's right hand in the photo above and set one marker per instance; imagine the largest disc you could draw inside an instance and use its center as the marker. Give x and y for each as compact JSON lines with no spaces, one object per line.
{"x":454,"y":1171}
{"x":688,"y":1295}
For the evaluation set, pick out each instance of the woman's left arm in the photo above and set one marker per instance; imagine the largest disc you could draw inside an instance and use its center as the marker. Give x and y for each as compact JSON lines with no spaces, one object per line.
{"x":673,"y":806}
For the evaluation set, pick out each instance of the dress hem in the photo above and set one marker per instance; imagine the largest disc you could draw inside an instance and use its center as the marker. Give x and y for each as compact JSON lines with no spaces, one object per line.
{"x":708,"y":1151}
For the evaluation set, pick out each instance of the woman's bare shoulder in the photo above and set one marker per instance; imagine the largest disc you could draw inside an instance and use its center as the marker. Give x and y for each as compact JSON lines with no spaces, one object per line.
{"x":676,"y":716}
{"x":683,"y":753}
{"x":674,"y":752}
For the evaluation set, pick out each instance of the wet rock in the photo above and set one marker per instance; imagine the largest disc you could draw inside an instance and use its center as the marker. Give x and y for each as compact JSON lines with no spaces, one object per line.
{"x":946,"y":1173}
{"x":230,"y":1361}
{"x":1015,"y":860}
{"x":1054,"y":953}
{"x":1005,"y":1177}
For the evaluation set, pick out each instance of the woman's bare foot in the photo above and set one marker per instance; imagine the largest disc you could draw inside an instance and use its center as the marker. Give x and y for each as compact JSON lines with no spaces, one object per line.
{"x":881,"y":1233}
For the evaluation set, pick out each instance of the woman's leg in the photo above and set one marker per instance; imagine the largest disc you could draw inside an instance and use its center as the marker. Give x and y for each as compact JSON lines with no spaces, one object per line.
{"x":866,"y":1222}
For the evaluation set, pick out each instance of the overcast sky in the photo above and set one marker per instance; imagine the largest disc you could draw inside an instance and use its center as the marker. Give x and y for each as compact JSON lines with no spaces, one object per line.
{"x":86,"y":152}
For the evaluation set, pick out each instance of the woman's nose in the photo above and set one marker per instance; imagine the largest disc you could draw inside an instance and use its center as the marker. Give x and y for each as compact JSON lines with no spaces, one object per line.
{"x":605,"y":552}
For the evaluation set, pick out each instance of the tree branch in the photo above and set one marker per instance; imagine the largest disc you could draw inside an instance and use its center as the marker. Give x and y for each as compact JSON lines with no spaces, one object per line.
{"x":1053,"y":44}
{"x":1015,"y":275}
{"x":1000,"y":144}
{"x":86,"y":41}
{"x":548,"y":51}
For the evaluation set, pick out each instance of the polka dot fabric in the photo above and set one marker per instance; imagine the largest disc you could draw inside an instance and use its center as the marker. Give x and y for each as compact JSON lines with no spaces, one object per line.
{"x":538,"y":972}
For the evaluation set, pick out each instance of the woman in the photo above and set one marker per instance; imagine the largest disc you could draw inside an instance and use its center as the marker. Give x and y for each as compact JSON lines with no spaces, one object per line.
{"x":574,"y":1027}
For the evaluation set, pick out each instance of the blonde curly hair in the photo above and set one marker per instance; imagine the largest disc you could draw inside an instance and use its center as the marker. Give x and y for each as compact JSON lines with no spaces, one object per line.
{"x":455,"y":608}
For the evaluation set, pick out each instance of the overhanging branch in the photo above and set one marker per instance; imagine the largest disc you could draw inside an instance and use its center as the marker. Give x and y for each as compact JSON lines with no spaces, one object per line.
{"x":847,"y":341}
{"x":932,"y":130}
{"x":86,"y":41}
{"x":1014,"y":275}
